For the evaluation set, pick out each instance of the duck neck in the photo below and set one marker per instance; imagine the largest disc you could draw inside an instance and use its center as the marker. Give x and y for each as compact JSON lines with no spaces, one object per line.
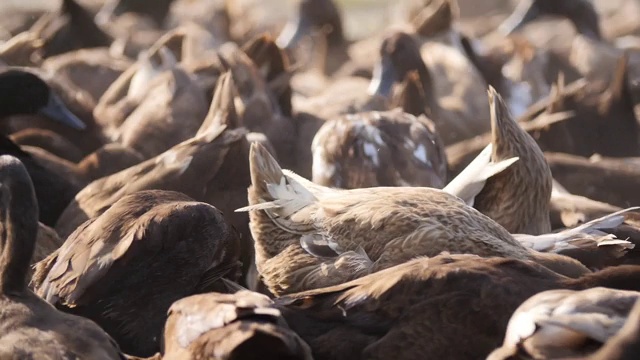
{"x":18,"y":232}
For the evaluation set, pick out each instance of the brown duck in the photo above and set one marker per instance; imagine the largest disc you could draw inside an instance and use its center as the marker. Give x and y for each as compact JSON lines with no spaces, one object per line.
{"x":292,"y":218}
{"x":29,"y":327}
{"x":187,"y":167}
{"x":517,"y":197}
{"x":244,"y":325}
{"x":369,"y":149}
{"x":125,"y":267}
{"x":23,"y":92}
{"x":426,"y":304}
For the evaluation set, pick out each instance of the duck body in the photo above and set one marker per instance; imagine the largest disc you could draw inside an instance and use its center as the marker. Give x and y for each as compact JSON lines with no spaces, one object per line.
{"x":391,"y":224}
{"x":29,"y":327}
{"x":19,"y":338}
{"x":154,"y":247}
{"x":425,"y":305}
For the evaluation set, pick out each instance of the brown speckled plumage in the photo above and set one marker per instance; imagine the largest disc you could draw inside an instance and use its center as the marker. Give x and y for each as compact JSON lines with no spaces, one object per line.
{"x":518,"y":197}
{"x":371,"y":149}
{"x":391,"y":225}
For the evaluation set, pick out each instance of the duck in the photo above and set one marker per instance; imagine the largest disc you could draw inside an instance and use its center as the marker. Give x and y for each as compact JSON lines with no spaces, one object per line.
{"x":565,"y":323}
{"x":260,"y":77}
{"x":23,"y":92}
{"x":221,"y":326}
{"x":321,"y":17}
{"x":529,"y":177}
{"x":29,"y":326}
{"x":163,"y":102}
{"x":458,"y":84}
{"x":371,"y":149}
{"x":125,"y":94}
{"x":398,"y":58}
{"x":97,"y":63}
{"x":70,"y":28}
{"x":293,"y":218}
{"x":163,"y":237}
{"x":187,"y":167}
{"x":424,"y":305}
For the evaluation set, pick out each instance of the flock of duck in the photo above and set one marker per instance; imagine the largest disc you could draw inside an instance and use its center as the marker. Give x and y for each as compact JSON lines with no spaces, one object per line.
{"x":179,"y":181}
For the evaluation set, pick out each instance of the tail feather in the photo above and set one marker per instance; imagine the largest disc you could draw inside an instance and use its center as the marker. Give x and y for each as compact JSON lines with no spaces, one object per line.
{"x":278,"y":193}
{"x":588,"y":234}
{"x":470,"y":182}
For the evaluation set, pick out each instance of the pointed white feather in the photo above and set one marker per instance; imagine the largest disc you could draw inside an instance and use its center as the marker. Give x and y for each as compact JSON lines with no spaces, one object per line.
{"x":470,"y":182}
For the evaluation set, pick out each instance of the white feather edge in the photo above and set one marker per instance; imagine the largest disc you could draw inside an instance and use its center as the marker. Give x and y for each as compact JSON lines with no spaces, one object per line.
{"x":470,"y":182}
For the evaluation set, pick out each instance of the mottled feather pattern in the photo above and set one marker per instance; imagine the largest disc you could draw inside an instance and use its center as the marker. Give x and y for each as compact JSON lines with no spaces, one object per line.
{"x":389,"y":224}
{"x":371,"y":149}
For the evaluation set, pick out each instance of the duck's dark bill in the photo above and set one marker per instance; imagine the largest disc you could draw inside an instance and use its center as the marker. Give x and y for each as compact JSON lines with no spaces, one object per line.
{"x":293,"y":32}
{"x":526,"y":12}
{"x":56,"y":110}
{"x":383,"y":78}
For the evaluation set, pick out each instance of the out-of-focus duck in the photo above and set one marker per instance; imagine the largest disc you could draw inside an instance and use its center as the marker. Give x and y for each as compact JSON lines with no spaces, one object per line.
{"x":116,"y":268}
{"x":23,"y":92}
{"x":322,"y":20}
{"x":399,"y":62}
{"x":187,"y":167}
{"x":458,"y":84}
{"x":371,"y":149}
{"x":29,"y":327}
{"x":292,"y":218}
{"x":242,"y":325}
{"x":564,"y":323}
{"x":71,"y":28}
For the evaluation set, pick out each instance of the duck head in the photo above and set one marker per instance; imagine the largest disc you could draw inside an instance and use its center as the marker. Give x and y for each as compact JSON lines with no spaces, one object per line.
{"x":399,"y":55}
{"x":156,"y":10}
{"x":313,"y":15}
{"x":581,"y":13}
{"x":23,"y":92}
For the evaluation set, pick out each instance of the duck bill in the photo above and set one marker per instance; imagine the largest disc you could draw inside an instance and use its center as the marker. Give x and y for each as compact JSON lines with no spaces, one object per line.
{"x":293,"y":32}
{"x":383,"y":78}
{"x":526,"y":12}
{"x":56,"y":110}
